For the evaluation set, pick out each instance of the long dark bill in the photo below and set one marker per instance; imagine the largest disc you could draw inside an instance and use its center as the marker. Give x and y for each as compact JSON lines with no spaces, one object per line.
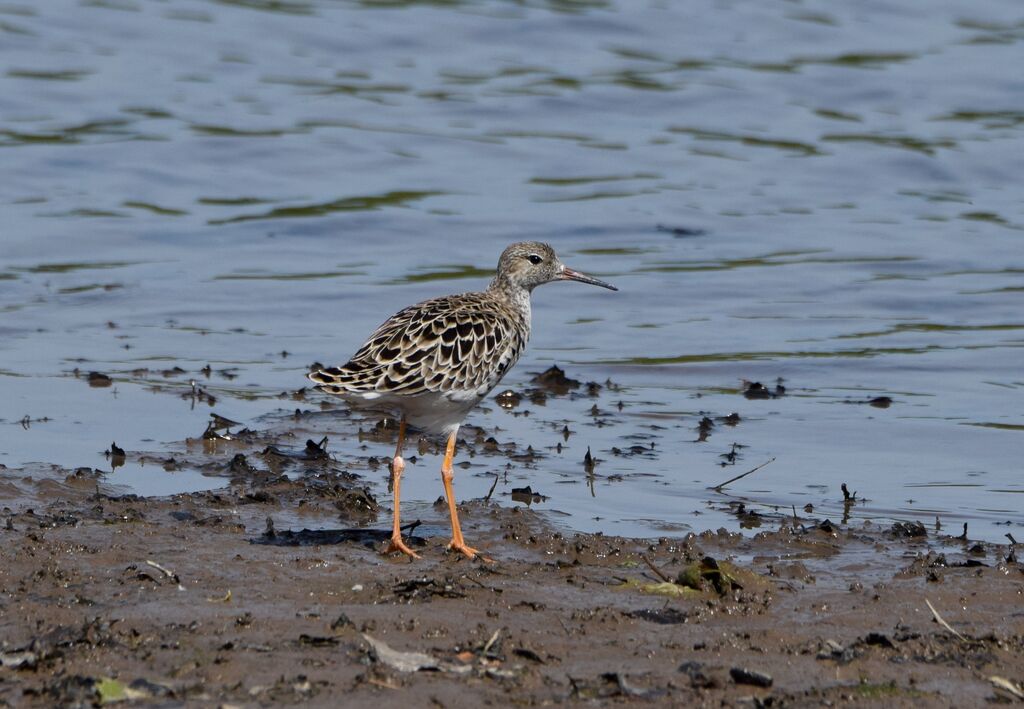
{"x":570,"y":275}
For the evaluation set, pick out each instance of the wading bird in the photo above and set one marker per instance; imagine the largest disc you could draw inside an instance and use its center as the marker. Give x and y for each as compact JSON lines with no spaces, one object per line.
{"x":429,"y":364}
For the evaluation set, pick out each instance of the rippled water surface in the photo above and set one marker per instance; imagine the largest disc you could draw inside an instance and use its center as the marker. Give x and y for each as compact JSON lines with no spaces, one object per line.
{"x":821,"y":192}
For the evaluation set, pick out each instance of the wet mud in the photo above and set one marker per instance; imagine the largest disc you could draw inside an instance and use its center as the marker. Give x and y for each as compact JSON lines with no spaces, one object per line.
{"x":272,"y":590}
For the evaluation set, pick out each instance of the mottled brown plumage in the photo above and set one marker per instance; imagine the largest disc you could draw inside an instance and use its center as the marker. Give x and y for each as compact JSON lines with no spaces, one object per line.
{"x":461,"y":344}
{"x":432,"y":362}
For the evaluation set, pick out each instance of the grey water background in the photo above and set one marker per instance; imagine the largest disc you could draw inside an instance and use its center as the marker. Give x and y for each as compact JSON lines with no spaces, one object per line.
{"x":824,"y":192}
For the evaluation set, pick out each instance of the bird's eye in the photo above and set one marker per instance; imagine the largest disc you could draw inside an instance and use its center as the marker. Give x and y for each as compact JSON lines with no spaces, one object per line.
{"x":534,"y":259}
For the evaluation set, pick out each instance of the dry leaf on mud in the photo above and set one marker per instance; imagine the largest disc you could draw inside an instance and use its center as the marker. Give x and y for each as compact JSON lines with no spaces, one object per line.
{"x":401,"y":661}
{"x":660,"y":588}
{"x":1007,"y":686}
{"x":111,"y":691}
{"x":699,"y":577}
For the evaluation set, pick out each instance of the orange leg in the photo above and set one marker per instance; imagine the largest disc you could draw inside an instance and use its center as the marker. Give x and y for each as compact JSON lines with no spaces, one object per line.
{"x":397,"y":467}
{"x":458,"y":543}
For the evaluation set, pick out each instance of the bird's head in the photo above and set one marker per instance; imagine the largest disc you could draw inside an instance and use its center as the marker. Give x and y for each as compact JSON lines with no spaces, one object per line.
{"x":529,"y":264}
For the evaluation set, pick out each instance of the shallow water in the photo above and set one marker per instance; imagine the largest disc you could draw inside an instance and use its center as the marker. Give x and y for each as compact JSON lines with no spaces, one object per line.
{"x":822,"y":193}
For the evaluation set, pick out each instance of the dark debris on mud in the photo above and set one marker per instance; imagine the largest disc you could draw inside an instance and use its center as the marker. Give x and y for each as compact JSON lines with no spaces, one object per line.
{"x":202,"y":599}
{"x":169,"y":610}
{"x":210,"y":599}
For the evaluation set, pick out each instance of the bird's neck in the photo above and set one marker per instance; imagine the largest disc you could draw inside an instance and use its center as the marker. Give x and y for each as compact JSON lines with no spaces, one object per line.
{"x":513,"y":294}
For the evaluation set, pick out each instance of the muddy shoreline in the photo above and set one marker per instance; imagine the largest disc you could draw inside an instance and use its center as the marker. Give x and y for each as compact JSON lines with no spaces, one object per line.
{"x":809,"y":209}
{"x":210,"y":599}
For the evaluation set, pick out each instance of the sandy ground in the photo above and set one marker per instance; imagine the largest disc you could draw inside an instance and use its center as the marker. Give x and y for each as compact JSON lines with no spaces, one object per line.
{"x":199,"y":600}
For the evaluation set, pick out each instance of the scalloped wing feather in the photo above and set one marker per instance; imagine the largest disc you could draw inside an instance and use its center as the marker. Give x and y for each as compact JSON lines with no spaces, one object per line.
{"x":457,"y":345}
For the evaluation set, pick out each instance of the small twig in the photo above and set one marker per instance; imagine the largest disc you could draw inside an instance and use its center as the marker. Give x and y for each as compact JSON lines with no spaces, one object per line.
{"x":1007,"y":686}
{"x":718,"y":488}
{"x":660,"y":574}
{"x":473,"y":580}
{"x":162,"y":569}
{"x":1012,"y":540}
{"x":940,"y":621}
{"x":484,"y":586}
{"x":487,"y":498}
{"x":166,"y":572}
{"x":490,"y":643}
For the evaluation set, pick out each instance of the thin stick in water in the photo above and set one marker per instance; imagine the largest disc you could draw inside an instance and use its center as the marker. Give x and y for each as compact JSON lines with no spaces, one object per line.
{"x":719,"y":487}
{"x":497,"y":476}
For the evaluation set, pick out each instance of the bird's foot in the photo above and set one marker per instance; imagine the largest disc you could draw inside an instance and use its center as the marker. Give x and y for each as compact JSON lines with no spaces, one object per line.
{"x":398,"y":545}
{"x":468,"y":551}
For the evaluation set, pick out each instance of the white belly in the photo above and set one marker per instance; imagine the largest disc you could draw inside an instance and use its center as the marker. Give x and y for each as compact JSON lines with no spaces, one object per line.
{"x":432,"y":412}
